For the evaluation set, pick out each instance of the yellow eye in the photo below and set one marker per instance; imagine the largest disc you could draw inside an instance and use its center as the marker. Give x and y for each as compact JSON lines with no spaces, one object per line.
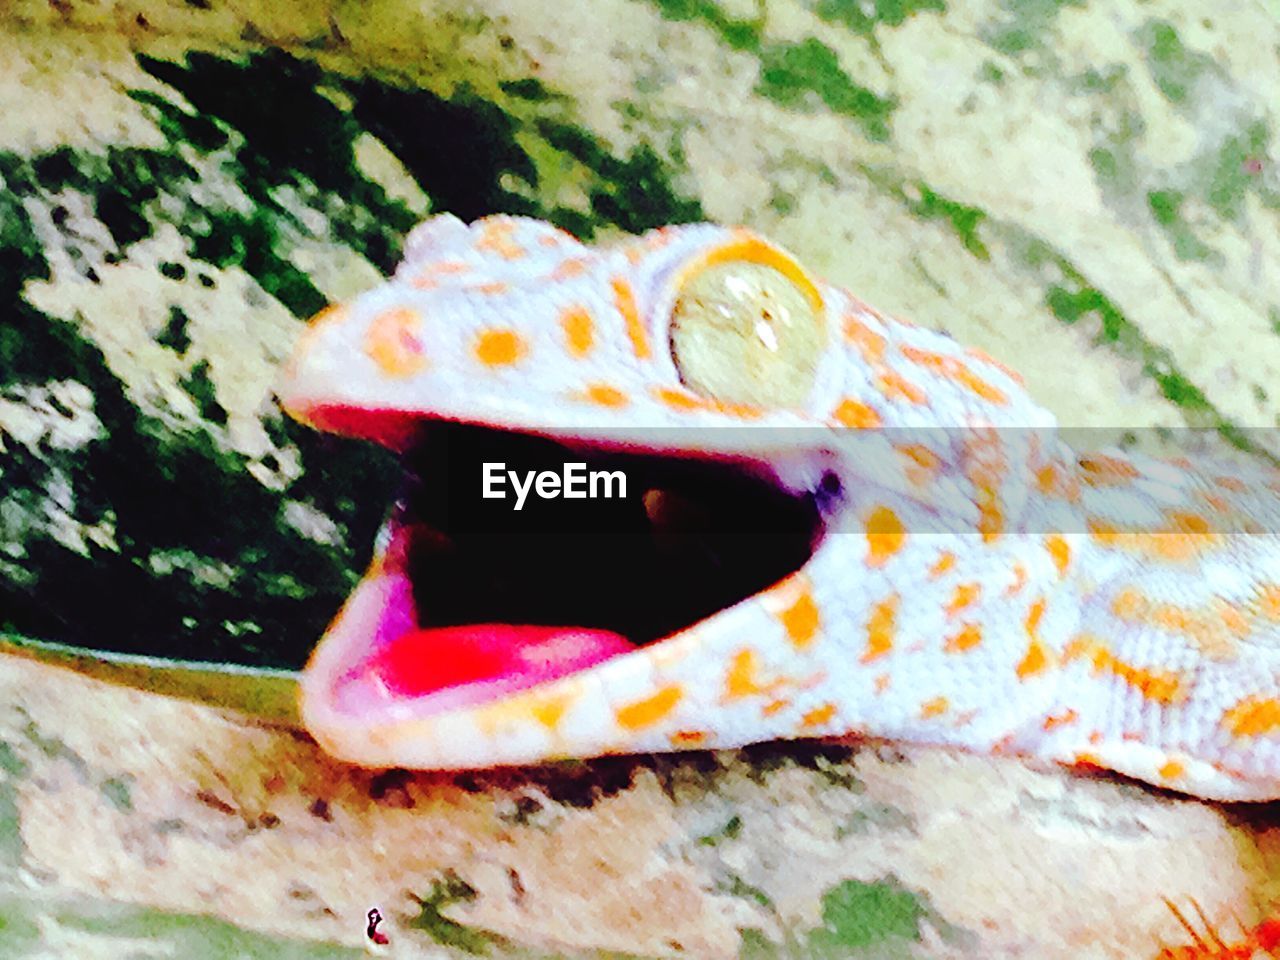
{"x":744,"y":331}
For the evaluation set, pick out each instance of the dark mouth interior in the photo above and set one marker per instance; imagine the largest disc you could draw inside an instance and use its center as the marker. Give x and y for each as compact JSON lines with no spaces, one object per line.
{"x":691,"y":537}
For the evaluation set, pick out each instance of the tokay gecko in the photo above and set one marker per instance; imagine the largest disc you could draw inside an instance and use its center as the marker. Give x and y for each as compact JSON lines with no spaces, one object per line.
{"x":849,"y":525}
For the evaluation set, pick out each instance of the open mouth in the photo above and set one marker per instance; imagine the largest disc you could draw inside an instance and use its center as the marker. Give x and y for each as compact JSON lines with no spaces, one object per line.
{"x":479,"y":599}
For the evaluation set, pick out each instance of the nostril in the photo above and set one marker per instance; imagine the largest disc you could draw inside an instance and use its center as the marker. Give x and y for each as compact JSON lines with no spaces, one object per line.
{"x":830,"y":492}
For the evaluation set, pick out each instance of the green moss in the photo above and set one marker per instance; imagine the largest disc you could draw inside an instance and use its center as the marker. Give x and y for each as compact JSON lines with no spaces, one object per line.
{"x":877,"y":919}
{"x":965,"y":220}
{"x":1024,"y":23}
{"x":528,"y":88}
{"x":1233,"y":173}
{"x":12,"y":848}
{"x":261,"y":123}
{"x":728,"y":832}
{"x":738,"y":34}
{"x":792,"y":74}
{"x":865,"y":17}
{"x":737,"y":887}
{"x":19,"y":934}
{"x":990,"y":73}
{"x":118,"y":792}
{"x":1174,"y":68}
{"x":199,"y":385}
{"x":1165,"y":206}
{"x":1075,"y":300}
{"x":193,"y":937}
{"x":858,"y":914}
{"x":448,"y":890}
{"x":174,"y":335}
{"x":633,"y":194}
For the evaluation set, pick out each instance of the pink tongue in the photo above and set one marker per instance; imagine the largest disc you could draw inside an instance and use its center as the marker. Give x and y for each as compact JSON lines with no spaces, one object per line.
{"x":424,"y":661}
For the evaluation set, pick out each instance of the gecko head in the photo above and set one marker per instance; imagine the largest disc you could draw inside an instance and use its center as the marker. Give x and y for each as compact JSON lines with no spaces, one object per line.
{"x":689,"y":360}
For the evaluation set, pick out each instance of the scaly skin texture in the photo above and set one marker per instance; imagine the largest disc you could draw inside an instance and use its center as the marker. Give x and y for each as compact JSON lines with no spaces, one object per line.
{"x":980,"y":585}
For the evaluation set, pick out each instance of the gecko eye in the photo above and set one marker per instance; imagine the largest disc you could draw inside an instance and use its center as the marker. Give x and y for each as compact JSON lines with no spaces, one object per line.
{"x":746,"y":332}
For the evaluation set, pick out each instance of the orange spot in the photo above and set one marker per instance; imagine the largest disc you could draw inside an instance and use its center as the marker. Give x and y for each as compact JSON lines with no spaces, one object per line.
{"x":944,"y":563}
{"x":392,"y":342}
{"x":1165,"y":688}
{"x":1269,"y":602}
{"x":425,"y":280}
{"x":450,"y":266}
{"x":885,"y":536}
{"x":975,"y":384}
{"x":883,"y":682}
{"x":934,"y":708}
{"x":647,"y":712}
{"x":625,"y":300}
{"x":774,"y":706}
{"x":604,"y":395}
{"x":1163,"y":545}
{"x":550,"y":710}
{"x":986,"y":358}
{"x":1235,"y":622}
{"x":1103,"y":471}
{"x":743,"y":410}
{"x":499,"y":348}
{"x":896,"y":387}
{"x":1019,"y":580}
{"x":1035,"y":661}
{"x":1234,"y":484}
{"x":495,"y":287}
{"x":1063,"y":719}
{"x":556,"y":238}
{"x":1253,"y":716}
{"x":1213,"y":631}
{"x":1047,"y":479}
{"x":495,"y":237}
{"x":1107,"y":471}
{"x":579,"y":330}
{"x":1214,"y":501}
{"x":801,"y":620}
{"x":1129,"y":604}
{"x":819,"y":716}
{"x":924,"y":463}
{"x":688,"y":738}
{"x":881,"y":627}
{"x":1034,"y":614}
{"x":968,"y":637}
{"x":852,"y":413}
{"x":952,"y":368}
{"x":743,"y":678}
{"x":990,"y":517}
{"x":869,"y":343}
{"x":1171,"y":770}
{"x":679,"y":399}
{"x":1060,"y":552}
{"x":567,"y":269}
{"x":966,"y":594}
{"x":1038,"y":657}
{"x":1192,"y":523}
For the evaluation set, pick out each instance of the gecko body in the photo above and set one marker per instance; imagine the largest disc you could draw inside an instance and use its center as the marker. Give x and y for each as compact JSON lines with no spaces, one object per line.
{"x":972,"y":581}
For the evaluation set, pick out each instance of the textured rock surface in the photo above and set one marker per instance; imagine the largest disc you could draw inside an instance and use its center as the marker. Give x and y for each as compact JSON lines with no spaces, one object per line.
{"x":1087,"y":190}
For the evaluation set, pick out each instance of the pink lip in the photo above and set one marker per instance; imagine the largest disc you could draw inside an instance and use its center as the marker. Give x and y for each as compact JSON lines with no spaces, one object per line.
{"x":452,"y":666}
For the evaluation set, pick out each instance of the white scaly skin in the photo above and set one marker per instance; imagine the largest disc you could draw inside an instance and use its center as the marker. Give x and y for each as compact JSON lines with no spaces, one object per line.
{"x":980,"y":589}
